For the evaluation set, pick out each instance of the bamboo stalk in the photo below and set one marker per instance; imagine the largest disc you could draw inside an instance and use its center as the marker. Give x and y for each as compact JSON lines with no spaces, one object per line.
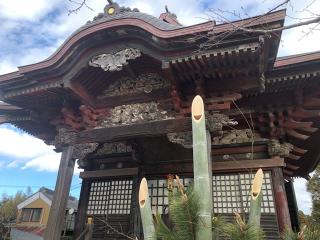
{"x":146,"y":212}
{"x":256,"y":198}
{"x":202,"y":172}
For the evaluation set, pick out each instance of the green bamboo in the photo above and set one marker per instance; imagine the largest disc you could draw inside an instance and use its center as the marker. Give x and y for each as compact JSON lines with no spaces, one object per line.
{"x":256,"y":198}
{"x":146,"y":212}
{"x":202,"y":172}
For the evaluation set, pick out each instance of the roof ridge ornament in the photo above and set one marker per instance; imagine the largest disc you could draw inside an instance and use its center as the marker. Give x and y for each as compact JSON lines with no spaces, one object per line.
{"x":169,"y":17}
{"x":113,"y":9}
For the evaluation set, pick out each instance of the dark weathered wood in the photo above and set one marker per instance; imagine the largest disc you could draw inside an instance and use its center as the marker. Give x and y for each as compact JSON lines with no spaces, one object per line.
{"x":248,"y":164}
{"x":148,"y":129}
{"x":217,"y":167}
{"x":235,"y":150}
{"x":281,"y":199}
{"x":109,"y":173}
{"x":80,"y":223}
{"x":61,"y":194}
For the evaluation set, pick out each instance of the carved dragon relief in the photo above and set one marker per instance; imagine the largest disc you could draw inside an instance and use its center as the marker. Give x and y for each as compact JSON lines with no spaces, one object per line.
{"x":144,"y":83}
{"x":215,"y":123}
{"x":226,"y":137}
{"x":134,"y":113}
{"x":116,"y":61}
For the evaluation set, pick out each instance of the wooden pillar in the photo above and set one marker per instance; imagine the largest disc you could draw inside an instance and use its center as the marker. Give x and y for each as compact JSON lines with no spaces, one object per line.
{"x":56,"y":219}
{"x":281,"y":199}
{"x":81,"y":217}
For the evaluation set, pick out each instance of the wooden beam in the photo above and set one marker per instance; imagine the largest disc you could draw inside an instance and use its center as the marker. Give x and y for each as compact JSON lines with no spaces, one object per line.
{"x":58,"y":208}
{"x":217,"y":167}
{"x":294,"y":157}
{"x":248,"y":164}
{"x":292,"y":166}
{"x":235,"y":150}
{"x":148,"y":129}
{"x":295,"y":134}
{"x":299,"y":150}
{"x":109,"y":173}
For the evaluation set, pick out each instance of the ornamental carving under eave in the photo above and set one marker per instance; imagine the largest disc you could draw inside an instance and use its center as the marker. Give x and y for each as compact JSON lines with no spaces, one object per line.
{"x":80,"y":151}
{"x":275,"y":148}
{"x":115,"y":61}
{"x":144,"y":83}
{"x":115,"y":147}
{"x":135,"y":113}
{"x":64,"y":137}
{"x":235,"y":136}
{"x":182,"y":138}
{"x":216,"y":121}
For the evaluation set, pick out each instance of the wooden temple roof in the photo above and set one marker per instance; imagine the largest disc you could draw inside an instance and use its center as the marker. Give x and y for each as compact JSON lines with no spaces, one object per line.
{"x":280,"y":95}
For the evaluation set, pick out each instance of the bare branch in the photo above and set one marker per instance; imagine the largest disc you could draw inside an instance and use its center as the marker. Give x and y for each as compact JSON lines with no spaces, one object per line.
{"x":241,"y":26}
{"x":315,"y":20}
{"x":115,"y":230}
{"x":80,"y":5}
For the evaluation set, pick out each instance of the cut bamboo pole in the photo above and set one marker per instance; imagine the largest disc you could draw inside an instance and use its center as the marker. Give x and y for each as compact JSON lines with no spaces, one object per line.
{"x":146,"y":212}
{"x":202,"y":172}
{"x":256,"y":198}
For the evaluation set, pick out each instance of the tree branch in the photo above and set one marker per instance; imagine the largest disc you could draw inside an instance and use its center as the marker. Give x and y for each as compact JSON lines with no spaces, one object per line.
{"x":315,"y":20}
{"x":80,"y":5}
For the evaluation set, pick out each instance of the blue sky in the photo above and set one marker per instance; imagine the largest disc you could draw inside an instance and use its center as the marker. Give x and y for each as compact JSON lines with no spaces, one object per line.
{"x":32,"y":30}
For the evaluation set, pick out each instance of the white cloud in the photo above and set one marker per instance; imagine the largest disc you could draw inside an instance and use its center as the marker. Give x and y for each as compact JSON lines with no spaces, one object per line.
{"x":302,"y":195}
{"x":25,"y":151}
{"x":47,"y":161}
{"x":21,"y":145}
{"x":26,"y":10}
{"x":7,"y":66}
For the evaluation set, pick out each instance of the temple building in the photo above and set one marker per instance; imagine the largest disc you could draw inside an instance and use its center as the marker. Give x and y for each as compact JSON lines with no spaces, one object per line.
{"x":116,"y":97}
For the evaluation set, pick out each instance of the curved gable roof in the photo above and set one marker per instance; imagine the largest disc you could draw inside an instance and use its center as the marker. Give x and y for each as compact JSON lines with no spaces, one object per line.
{"x":145,"y":22}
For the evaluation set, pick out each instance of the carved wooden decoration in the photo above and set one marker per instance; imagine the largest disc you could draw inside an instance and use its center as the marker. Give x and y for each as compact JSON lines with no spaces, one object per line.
{"x":82,"y":150}
{"x":235,"y":136}
{"x":144,"y":83}
{"x":115,"y":61}
{"x":275,"y":148}
{"x":116,"y":147}
{"x":183,"y":138}
{"x":216,"y":121}
{"x":64,"y":137}
{"x":135,"y":113}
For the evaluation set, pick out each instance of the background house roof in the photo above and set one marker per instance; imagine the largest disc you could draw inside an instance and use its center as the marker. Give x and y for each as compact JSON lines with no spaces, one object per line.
{"x":47,"y":195}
